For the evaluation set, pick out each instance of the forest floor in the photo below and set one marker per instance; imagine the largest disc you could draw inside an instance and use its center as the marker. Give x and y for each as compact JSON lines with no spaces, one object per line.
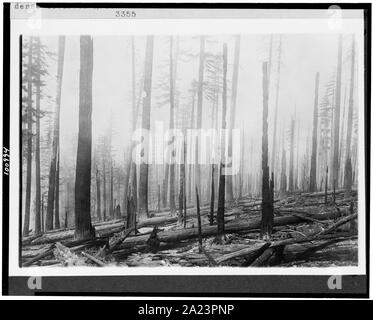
{"x":306,"y":233}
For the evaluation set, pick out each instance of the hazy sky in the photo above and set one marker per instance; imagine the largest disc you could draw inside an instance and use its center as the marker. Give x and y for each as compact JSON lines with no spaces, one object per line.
{"x":302,"y":56}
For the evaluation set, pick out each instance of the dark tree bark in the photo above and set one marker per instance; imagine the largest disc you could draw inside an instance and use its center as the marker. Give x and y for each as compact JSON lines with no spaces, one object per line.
{"x":55,"y":143}
{"x":111,"y":206}
{"x":98,"y":190}
{"x":313,"y":169}
{"x":212,"y":195}
{"x":276,"y":107}
{"x":172,"y":125}
{"x":57,"y":195}
{"x":267,"y":214}
{"x":83,"y":226}
{"x":326,"y":185}
{"x":37,"y":143}
{"x":104,"y":185}
{"x":199,"y":222}
{"x":291,"y":165}
{"x":335,"y":168}
{"x":283,"y":173}
{"x":144,"y":167}
{"x":221,"y":200}
{"x":348,"y":163}
{"x":233,"y":111}
{"x":199,"y":108}
{"x":26,"y":223}
{"x":131,"y":192}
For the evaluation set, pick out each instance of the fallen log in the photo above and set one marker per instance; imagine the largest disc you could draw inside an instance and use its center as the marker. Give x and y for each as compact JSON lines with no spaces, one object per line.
{"x":95,"y":260}
{"x":207,"y":231}
{"x":242,"y":252}
{"x":104,"y":230}
{"x":263,"y":258}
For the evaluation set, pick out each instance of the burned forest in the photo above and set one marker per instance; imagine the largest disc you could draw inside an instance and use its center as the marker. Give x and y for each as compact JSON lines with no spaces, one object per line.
{"x":176,"y":150}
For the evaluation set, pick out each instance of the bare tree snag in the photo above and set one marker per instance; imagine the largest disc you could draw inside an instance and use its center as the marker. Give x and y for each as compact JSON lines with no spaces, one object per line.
{"x":143,"y":210}
{"x":337,"y":107}
{"x":220,"y":238}
{"x":348,"y":164}
{"x":199,"y":222}
{"x":83,"y":226}
{"x":276,"y":106}
{"x":199,"y":107}
{"x":56,"y":130}
{"x":232,"y":121}
{"x":267,"y":214}
{"x":26,"y":223}
{"x":291,"y":164}
{"x":313,"y":186}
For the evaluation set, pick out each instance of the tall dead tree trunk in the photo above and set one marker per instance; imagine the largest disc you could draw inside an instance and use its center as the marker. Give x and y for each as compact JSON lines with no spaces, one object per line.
{"x":199,"y":108}
{"x":131,"y":191}
{"x":83,"y":226}
{"x":145,"y":125}
{"x":313,"y":186}
{"x":276,"y":108}
{"x":172,"y":125}
{"x":111,"y":205}
{"x":291,"y":165}
{"x":267,"y":213}
{"x":57,"y":190}
{"x":220,"y":238}
{"x":55,"y":143}
{"x":26,"y":223}
{"x":37,"y":143}
{"x":232,"y":121}
{"x":98,"y":190}
{"x":348,"y":163}
{"x":104,"y":211}
{"x":335,"y":168}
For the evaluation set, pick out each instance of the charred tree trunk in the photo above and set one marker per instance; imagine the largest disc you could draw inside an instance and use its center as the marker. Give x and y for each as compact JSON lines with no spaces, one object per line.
{"x":199,"y":108}
{"x":326,"y":186}
{"x":145,"y":125}
{"x":131,"y":191}
{"x":236,"y":63}
{"x":57,"y":195}
{"x":98,"y":187}
{"x":335,"y":168}
{"x":283,"y":173}
{"x":172,"y":125}
{"x":313,"y":186}
{"x":55,"y":143}
{"x":111,"y":206}
{"x":348,"y":163}
{"x":104,"y":185}
{"x":276,"y":107}
{"x":267,"y":214}
{"x":26,"y":223}
{"x":83,"y":226}
{"x":199,"y":222}
{"x":221,"y":200}
{"x":291,"y":166}
{"x":37,"y":144}
{"x":212,"y":199}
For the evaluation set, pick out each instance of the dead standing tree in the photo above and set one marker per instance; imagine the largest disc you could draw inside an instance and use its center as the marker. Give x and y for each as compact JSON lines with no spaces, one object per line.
{"x":220,"y":238}
{"x":348,"y":162}
{"x":314,"y":138}
{"x":267,"y":206}
{"x":55,"y":146}
{"x":233,"y":111}
{"x":144,"y":166}
{"x":337,"y":106}
{"x":83,"y":226}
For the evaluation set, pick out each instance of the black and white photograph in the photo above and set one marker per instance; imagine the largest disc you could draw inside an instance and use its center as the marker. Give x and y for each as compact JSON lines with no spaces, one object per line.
{"x":196,"y":144}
